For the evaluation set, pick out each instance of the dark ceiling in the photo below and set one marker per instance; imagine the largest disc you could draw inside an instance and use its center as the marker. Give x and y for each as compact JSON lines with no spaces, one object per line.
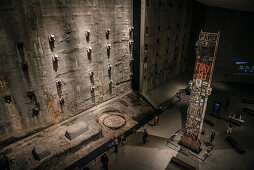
{"x":243,"y":5}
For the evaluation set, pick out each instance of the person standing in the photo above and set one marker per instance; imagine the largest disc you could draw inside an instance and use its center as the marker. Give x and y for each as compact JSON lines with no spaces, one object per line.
{"x":145,"y":135}
{"x":156,"y":120}
{"x":122,"y":139}
{"x":212,"y":137}
{"x":230,"y":126}
{"x":238,"y":116}
{"x":104,"y":160}
{"x":115,"y":143}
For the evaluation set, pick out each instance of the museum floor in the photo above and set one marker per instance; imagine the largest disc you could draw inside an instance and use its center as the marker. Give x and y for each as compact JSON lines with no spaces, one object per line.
{"x":155,"y":155}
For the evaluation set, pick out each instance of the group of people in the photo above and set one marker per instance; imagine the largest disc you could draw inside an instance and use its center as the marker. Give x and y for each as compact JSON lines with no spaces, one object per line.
{"x":116,"y":142}
{"x":121,"y":141}
{"x":229,"y":132}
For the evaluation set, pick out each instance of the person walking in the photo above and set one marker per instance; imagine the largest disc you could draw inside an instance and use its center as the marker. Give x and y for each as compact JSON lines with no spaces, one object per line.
{"x":145,"y":135}
{"x":115,"y":143}
{"x":104,"y":160}
{"x":212,"y":137}
{"x":230,"y":126}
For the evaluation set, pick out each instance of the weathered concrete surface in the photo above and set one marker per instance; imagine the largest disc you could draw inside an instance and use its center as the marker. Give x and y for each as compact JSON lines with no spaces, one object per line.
{"x":40,"y":151}
{"x":167,"y":30}
{"x":64,"y":151}
{"x":76,"y":130}
{"x":31,"y":64}
{"x":57,"y":143}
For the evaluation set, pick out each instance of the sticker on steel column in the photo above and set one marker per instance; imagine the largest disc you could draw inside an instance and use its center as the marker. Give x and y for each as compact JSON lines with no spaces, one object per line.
{"x":205,"y":84}
{"x":198,"y":119}
{"x":201,"y":102}
{"x":197,"y":103}
{"x":198,"y":82}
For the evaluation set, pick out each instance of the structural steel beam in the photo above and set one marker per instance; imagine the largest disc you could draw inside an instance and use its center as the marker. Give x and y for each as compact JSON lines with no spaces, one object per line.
{"x":206,"y":50}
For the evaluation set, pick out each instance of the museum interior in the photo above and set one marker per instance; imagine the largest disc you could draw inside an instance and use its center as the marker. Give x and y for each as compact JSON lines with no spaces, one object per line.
{"x":126,"y":84}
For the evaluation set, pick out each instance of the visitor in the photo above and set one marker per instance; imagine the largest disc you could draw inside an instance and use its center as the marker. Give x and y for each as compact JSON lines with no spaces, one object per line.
{"x":122,"y":139}
{"x":104,"y":160}
{"x":238,"y":116}
{"x":145,"y":135}
{"x":229,"y":131}
{"x":156,"y":120}
{"x":212,"y":137}
{"x":115,"y":143}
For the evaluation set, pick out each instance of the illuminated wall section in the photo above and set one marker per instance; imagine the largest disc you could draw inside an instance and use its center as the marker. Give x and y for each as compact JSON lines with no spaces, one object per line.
{"x":46,"y":80}
{"x":203,"y":71}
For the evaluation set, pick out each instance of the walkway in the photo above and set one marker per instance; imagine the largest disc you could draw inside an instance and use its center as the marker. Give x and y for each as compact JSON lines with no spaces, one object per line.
{"x":155,"y":155}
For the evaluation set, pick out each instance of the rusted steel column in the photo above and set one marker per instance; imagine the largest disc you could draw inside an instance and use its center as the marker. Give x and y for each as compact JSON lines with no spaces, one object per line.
{"x":206,"y":50}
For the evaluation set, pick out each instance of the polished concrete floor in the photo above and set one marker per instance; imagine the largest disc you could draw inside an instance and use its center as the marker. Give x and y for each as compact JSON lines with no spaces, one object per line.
{"x":169,"y":89}
{"x":155,"y":155}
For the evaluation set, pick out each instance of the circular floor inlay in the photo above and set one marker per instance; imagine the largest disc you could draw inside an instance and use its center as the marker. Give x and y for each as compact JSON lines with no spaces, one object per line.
{"x":114,"y":121}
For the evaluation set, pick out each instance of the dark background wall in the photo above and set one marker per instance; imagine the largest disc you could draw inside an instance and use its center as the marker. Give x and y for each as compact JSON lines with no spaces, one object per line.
{"x":32,"y":22}
{"x":167,"y":30}
{"x":136,"y":46}
{"x":236,"y":30}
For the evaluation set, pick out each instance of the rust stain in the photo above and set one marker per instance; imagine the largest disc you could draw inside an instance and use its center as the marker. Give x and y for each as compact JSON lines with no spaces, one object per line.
{"x":53,"y":112}
{"x":101,"y":89}
{"x":15,"y":117}
{"x":3,"y":85}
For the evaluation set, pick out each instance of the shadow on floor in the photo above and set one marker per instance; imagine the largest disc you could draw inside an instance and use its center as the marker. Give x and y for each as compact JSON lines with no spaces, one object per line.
{"x":152,"y":141}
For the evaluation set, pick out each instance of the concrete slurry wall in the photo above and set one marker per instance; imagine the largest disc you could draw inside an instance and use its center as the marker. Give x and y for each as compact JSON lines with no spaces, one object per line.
{"x":32,"y":22}
{"x":167,"y":29}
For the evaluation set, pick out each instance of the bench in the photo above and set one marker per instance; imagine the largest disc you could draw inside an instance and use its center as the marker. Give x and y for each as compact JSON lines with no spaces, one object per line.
{"x":238,"y":121}
{"x":76,"y":130}
{"x":249,"y":111}
{"x":235,"y":144}
{"x":182,"y":164}
{"x":248,"y":101}
{"x":41,"y":151}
